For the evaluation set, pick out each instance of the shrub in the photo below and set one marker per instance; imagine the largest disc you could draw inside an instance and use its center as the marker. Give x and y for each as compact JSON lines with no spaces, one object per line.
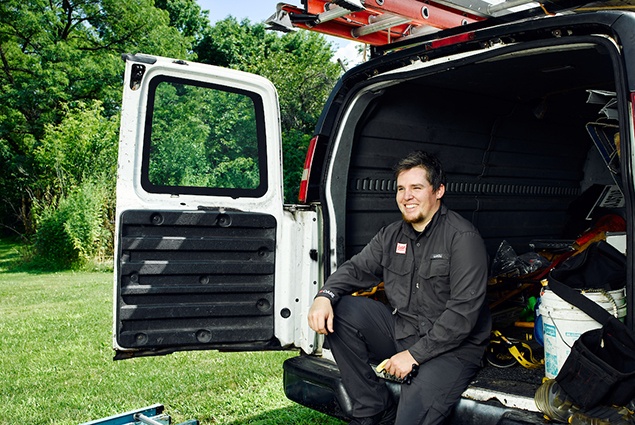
{"x":77,"y":231}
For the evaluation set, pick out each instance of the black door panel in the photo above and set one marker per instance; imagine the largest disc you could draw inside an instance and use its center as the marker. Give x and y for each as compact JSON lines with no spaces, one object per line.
{"x":195,"y":279}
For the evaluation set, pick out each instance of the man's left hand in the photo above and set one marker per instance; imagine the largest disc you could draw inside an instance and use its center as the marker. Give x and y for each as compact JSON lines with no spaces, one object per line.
{"x":400,"y":364}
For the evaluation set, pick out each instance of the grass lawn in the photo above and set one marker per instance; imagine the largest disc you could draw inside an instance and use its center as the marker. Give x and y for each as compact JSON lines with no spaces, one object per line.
{"x":56,"y":363}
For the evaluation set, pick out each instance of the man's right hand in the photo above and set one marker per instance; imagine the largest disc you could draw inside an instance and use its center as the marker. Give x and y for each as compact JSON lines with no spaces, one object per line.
{"x":321,"y":316}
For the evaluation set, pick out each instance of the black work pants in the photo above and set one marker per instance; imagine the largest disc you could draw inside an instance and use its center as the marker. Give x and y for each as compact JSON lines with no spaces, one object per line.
{"x":364,"y":333}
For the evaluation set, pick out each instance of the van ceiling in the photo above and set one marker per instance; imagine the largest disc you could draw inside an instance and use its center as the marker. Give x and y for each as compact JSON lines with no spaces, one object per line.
{"x":531,"y":74}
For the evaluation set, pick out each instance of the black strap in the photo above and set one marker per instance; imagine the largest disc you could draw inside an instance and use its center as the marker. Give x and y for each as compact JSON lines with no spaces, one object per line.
{"x":575,"y":298}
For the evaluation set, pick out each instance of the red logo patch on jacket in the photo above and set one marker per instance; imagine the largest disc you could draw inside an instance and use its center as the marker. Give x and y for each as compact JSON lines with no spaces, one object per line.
{"x":401,"y":248}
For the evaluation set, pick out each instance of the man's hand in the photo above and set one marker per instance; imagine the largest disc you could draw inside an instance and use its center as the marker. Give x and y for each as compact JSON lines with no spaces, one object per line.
{"x":400,"y":364}
{"x":321,"y":316}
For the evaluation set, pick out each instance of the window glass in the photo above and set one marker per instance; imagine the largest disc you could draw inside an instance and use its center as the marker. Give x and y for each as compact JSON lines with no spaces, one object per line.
{"x":203,"y":139}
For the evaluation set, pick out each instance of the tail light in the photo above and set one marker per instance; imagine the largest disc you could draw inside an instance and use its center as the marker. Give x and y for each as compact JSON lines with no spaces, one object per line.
{"x":306,"y":173}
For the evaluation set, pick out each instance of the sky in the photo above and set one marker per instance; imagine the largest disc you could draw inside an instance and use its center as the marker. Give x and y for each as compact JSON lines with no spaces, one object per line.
{"x":255,"y":10}
{"x":260,"y":10}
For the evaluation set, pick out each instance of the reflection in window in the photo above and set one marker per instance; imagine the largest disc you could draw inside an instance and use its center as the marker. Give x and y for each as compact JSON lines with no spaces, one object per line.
{"x":202,"y":137}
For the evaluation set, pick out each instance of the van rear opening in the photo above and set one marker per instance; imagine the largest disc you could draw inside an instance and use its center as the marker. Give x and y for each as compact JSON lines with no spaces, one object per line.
{"x":527,"y":135}
{"x":512,"y":129}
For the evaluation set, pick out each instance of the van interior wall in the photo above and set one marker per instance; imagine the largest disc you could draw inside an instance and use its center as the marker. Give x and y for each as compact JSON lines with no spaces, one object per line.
{"x":514,"y":166}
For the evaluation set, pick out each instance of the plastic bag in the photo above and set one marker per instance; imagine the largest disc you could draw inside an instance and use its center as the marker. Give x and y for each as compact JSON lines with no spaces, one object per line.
{"x":507,"y":263}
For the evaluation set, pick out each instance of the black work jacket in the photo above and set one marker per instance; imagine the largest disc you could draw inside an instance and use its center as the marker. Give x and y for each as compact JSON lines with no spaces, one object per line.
{"x":435,"y":281}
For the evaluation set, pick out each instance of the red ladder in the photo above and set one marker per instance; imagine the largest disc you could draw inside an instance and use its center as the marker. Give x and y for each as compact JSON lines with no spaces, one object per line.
{"x":374,"y":22}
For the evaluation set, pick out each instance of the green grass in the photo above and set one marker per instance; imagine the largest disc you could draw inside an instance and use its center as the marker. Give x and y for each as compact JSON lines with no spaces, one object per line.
{"x":56,"y":363}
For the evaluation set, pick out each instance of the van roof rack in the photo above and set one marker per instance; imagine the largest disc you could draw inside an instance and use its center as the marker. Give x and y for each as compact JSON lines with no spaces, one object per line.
{"x":383,"y":22}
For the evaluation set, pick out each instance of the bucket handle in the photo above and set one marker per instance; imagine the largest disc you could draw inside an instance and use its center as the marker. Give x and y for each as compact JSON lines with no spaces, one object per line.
{"x":558,"y":330}
{"x":607,"y":295}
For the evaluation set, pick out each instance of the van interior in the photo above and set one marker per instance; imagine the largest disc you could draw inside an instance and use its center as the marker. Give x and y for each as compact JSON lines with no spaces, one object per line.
{"x":529,"y":138}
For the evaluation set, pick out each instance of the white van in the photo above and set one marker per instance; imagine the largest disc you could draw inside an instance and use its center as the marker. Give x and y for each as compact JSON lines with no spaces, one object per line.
{"x":533,"y":121}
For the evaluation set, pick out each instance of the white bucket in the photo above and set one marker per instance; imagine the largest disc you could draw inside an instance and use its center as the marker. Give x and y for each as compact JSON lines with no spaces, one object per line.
{"x":563,"y":323}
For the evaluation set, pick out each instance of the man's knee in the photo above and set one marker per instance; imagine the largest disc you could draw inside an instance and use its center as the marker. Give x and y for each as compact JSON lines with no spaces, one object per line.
{"x":430,"y":409}
{"x":365,"y":320}
{"x":354,"y":310}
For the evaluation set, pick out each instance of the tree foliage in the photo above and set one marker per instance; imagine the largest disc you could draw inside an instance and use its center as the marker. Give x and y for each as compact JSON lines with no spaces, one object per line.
{"x":186,"y":16}
{"x":81,"y":147}
{"x":54,"y":56}
{"x":203,"y":138}
{"x":299,"y":65}
{"x":73,"y":213}
{"x":60,"y":93}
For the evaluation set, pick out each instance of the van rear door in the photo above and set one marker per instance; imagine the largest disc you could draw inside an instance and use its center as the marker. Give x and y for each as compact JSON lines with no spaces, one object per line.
{"x":199,"y":211}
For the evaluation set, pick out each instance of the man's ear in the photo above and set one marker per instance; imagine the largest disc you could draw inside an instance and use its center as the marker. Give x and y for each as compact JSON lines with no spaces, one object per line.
{"x":440,"y":191}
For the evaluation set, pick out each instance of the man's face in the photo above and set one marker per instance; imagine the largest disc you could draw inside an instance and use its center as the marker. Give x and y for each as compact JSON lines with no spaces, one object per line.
{"x":416,"y":199}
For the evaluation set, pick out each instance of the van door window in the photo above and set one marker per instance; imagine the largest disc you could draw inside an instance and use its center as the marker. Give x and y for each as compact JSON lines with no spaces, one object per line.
{"x":203,"y":139}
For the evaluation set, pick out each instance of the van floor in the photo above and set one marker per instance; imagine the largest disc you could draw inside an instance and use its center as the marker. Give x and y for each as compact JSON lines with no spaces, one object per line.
{"x":515,"y":380}
{"x":512,"y":378}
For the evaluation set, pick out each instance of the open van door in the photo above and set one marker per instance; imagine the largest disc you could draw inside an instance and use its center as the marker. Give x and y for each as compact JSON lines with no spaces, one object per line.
{"x":199,"y":208}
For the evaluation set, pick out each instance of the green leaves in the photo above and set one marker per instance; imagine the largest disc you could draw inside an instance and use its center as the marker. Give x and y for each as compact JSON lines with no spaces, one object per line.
{"x":81,"y":147}
{"x":60,"y":94}
{"x":299,"y":65}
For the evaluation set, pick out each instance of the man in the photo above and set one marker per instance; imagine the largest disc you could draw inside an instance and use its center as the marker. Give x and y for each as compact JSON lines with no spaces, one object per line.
{"x":434,"y":268}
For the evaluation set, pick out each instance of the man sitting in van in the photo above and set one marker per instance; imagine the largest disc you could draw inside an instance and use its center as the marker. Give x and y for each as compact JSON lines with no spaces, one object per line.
{"x":436,"y":327}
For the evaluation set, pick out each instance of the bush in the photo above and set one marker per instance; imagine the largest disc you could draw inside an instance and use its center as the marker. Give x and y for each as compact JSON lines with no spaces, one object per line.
{"x":76,"y":232}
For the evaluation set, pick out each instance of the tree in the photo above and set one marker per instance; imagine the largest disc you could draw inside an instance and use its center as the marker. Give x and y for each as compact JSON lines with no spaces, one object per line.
{"x":186,"y":16}
{"x":81,"y":147}
{"x":54,"y":55}
{"x":299,"y":65}
{"x":60,"y":93}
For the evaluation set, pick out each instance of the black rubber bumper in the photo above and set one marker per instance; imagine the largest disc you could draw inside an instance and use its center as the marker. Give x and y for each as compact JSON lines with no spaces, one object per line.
{"x":315,"y":383}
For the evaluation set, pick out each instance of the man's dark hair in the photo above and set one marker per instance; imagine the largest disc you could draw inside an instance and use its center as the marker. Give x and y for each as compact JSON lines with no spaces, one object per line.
{"x":427,"y":161}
